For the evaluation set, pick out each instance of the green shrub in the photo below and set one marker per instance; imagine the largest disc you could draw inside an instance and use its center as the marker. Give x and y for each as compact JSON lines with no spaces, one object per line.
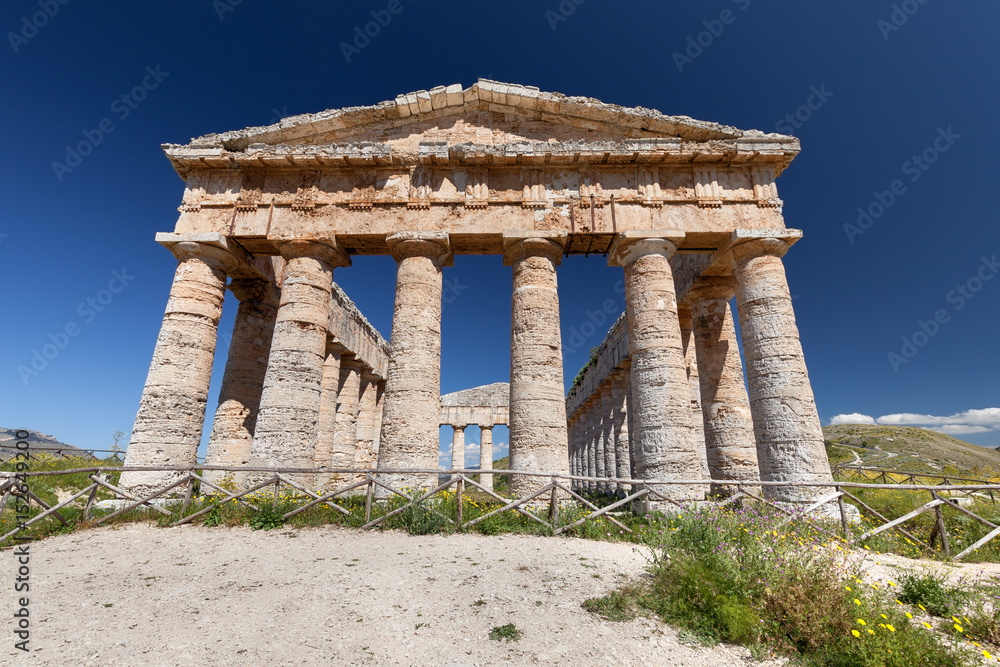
{"x":266,"y":518}
{"x":930,"y":592}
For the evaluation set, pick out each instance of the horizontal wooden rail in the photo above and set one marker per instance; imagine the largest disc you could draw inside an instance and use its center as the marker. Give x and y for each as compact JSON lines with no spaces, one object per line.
{"x":556,"y":488}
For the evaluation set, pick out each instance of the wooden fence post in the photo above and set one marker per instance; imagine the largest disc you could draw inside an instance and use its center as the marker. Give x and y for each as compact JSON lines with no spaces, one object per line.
{"x":368,"y":498}
{"x":187,"y":495}
{"x":942,"y":529}
{"x":843,"y":514}
{"x":459,"y":488}
{"x":554,"y":505}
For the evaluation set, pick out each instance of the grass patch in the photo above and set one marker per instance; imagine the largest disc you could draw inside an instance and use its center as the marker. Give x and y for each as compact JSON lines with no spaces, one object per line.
{"x":507,"y":632}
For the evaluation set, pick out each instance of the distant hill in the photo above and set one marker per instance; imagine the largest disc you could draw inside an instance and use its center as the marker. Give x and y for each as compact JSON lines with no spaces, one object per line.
{"x":36,"y":441}
{"x":909,"y":449}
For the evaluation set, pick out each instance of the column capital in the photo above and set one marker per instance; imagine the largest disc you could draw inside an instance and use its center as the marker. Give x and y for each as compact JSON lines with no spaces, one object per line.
{"x":460,"y":426}
{"x":247,"y":289}
{"x":328,"y":250}
{"x":712,"y":288}
{"x":212,"y":254}
{"x":212,"y":247}
{"x":631,"y":245}
{"x":521,"y":243}
{"x":369,"y":375}
{"x":746,"y":244}
{"x":434,"y":245}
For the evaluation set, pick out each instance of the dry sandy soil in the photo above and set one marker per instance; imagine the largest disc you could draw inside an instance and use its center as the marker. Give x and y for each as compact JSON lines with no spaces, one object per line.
{"x":141,"y":595}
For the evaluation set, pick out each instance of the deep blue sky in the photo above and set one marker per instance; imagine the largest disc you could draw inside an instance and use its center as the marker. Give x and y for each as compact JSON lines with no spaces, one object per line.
{"x":60,"y":241}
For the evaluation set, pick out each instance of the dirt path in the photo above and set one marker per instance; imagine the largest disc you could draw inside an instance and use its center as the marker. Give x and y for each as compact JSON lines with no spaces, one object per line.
{"x":138,"y":594}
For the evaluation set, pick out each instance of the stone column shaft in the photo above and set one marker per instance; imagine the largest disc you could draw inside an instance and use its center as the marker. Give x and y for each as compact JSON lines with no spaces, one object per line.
{"x":326,"y":427}
{"x":665,"y":436}
{"x":538,"y":439}
{"x":345,"y":439}
{"x":608,"y":435}
{"x":694,"y":385}
{"x":619,"y":421}
{"x":729,"y":438}
{"x":287,"y":429}
{"x":410,"y":429}
{"x":239,"y":399}
{"x":593,"y":428}
{"x":171,"y":414}
{"x":458,"y":448}
{"x":786,"y":423}
{"x":630,"y":422}
{"x":601,"y":425}
{"x":366,"y":456}
{"x":486,"y":455}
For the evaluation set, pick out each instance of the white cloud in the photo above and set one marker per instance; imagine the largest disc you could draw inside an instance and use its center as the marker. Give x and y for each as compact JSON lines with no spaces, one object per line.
{"x":959,"y":429}
{"x":853,"y":418}
{"x":985,"y":420}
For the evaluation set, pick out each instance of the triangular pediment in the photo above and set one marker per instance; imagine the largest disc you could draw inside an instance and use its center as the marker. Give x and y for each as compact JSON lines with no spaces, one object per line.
{"x":487,"y":113}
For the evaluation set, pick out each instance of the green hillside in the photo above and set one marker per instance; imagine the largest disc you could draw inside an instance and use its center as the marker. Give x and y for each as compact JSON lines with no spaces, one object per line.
{"x":909,"y":449}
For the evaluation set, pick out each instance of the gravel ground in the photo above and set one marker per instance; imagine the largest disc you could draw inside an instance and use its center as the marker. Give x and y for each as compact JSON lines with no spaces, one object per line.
{"x":141,"y":595}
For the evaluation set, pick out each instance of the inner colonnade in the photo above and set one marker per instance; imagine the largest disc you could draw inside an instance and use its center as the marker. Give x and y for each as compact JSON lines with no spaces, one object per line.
{"x":688,"y":209}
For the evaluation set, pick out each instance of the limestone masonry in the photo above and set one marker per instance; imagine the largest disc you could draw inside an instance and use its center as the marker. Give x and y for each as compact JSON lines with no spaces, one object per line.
{"x":688,"y":209}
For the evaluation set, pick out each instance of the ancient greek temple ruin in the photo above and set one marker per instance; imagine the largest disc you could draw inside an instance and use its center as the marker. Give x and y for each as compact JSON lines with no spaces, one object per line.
{"x":688,"y":209}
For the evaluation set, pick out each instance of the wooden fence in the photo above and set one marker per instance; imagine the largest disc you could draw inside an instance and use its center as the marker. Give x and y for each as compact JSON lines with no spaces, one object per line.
{"x":557,"y":491}
{"x":887,"y":476}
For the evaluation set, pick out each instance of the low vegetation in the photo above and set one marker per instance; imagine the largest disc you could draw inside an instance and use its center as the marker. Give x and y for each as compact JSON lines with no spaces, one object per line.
{"x":734,"y":577}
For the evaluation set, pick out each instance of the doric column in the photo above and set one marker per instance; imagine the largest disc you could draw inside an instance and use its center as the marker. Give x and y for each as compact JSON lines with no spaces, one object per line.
{"x":365,"y":455}
{"x":573,"y":433}
{"x":538,"y":437}
{"x":377,"y":428}
{"x":630,"y":418}
{"x":665,"y":436}
{"x":345,"y":439}
{"x":608,"y":434}
{"x":729,"y":438}
{"x":326,"y":427}
{"x":593,"y":430}
{"x":287,"y":432}
{"x":486,"y":455}
{"x":409,"y":436}
{"x":171,"y":414}
{"x":458,"y":447}
{"x":789,"y":438}
{"x":691,"y":368}
{"x":243,"y":381}
{"x":601,"y":426}
{"x":619,"y":421}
